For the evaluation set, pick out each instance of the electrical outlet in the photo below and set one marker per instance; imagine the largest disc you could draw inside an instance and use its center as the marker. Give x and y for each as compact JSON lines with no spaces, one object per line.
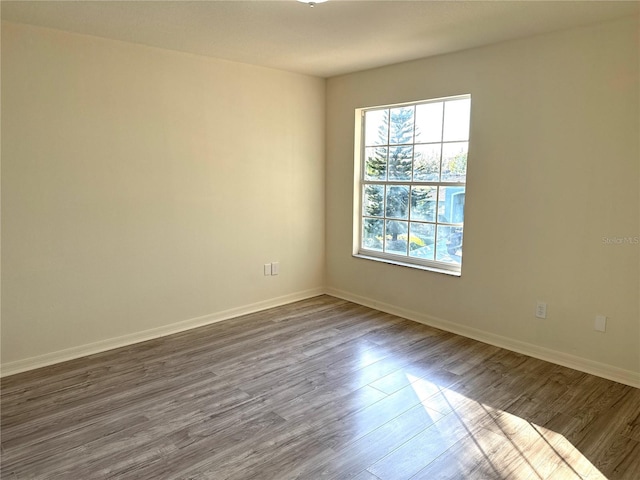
{"x":541,"y":310}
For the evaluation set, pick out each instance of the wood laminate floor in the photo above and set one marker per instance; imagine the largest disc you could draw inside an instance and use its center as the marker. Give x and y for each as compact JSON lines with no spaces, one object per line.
{"x":319,"y":389}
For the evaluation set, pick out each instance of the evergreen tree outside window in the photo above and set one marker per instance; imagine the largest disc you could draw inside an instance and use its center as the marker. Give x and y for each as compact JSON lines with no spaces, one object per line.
{"x":412,"y":181}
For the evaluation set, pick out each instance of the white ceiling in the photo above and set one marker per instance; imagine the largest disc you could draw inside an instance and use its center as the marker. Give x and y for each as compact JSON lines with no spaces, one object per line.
{"x":336,"y":37}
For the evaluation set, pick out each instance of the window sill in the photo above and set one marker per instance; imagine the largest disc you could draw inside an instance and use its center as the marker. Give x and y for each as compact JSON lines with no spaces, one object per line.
{"x":399,"y":263}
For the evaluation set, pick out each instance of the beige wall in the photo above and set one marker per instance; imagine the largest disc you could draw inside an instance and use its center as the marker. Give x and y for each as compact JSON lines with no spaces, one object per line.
{"x":553,"y":169}
{"x":143,"y":187}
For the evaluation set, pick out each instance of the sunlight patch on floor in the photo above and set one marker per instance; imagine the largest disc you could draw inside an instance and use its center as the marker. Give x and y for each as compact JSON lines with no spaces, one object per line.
{"x":484,"y":437}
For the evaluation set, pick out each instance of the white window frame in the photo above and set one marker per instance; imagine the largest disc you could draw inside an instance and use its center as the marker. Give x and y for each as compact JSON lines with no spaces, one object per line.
{"x":360,"y":183}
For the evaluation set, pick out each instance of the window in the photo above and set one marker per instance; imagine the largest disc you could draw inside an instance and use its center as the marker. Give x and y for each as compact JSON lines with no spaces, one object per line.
{"x":412,"y":167}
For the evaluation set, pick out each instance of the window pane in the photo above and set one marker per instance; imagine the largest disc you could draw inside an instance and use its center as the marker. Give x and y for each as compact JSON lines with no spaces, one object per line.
{"x":401,"y":126}
{"x":413,"y":170}
{"x":373,"y":201}
{"x":429,"y":122}
{"x":421,"y":240}
{"x":376,"y":127}
{"x":375,"y":165}
{"x":426,"y":163}
{"x":423,"y":203}
{"x":400,"y":163}
{"x":449,"y":244}
{"x":396,"y":237}
{"x":454,"y":161}
{"x":372,"y":234}
{"x":456,"y":120}
{"x":451,"y":204}
{"x":398,"y":201}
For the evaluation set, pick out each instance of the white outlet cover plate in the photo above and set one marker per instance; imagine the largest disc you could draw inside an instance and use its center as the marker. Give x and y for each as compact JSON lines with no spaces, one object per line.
{"x":600,"y":324}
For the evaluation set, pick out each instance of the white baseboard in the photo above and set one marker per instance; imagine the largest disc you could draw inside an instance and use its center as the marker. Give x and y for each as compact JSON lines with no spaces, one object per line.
{"x":603,"y":370}
{"x":592,"y":367}
{"x":32,"y":363}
